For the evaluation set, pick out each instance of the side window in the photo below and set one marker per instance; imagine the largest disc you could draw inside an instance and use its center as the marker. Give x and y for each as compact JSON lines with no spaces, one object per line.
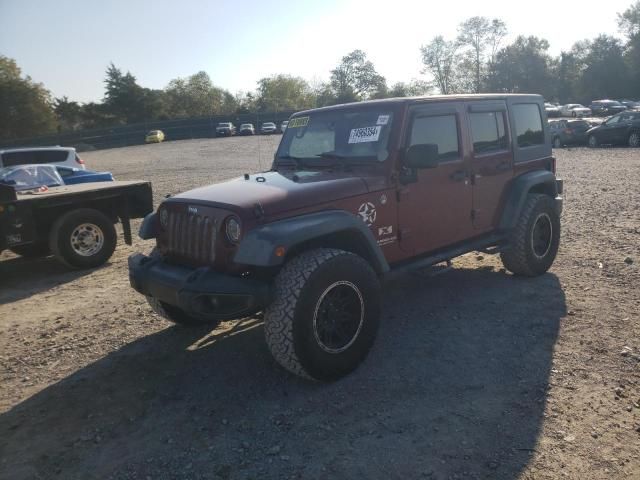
{"x":18,"y":158}
{"x":488,"y":132}
{"x":528,"y":122}
{"x":440,"y":130}
{"x":51,"y":156}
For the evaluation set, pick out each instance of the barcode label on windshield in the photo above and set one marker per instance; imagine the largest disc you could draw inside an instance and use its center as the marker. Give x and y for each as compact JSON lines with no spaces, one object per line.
{"x":365,"y":134}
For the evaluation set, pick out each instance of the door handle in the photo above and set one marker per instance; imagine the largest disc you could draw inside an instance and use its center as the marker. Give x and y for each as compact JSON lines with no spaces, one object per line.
{"x":458,"y":176}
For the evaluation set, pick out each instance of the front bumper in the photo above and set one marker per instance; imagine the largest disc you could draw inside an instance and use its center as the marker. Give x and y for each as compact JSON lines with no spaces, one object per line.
{"x":201,"y":292}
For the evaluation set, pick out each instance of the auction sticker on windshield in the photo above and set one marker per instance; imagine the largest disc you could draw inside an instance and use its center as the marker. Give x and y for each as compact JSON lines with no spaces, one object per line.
{"x":298,"y":122}
{"x":365,"y":134}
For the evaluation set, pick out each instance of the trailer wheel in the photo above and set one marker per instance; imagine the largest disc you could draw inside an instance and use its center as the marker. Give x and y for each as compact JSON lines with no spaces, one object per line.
{"x":35,"y":250}
{"x":83,"y":238}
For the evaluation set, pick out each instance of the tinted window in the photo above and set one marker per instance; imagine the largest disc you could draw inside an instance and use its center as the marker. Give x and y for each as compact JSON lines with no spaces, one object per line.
{"x":441,"y":130}
{"x":528,"y":124}
{"x":34,"y":156}
{"x":487,"y":131}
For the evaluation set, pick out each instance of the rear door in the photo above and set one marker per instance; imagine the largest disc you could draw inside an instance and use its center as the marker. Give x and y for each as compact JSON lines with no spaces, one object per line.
{"x":492,"y":159}
{"x":434,"y":207}
{"x":608,"y":130}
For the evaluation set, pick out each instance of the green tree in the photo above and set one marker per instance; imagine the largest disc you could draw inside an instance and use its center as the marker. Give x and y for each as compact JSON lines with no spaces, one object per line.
{"x":25,"y":105}
{"x":355,"y":78}
{"x":605,"y":72}
{"x":195,"y":96}
{"x":629,"y":23}
{"x":124,"y":99}
{"x":68,"y":114}
{"x":483,"y":38}
{"x":440,"y":60}
{"x":523,"y":67}
{"x":283,"y":92}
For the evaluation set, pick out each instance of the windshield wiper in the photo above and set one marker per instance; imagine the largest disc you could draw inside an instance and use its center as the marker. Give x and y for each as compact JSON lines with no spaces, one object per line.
{"x":295,"y":161}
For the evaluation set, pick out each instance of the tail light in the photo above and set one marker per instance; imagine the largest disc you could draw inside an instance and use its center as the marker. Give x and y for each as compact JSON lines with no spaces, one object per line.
{"x":79,"y":160}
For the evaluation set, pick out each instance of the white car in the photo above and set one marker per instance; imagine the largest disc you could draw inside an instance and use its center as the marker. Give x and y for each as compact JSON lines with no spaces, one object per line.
{"x":268,"y":128}
{"x":41,"y":155}
{"x":574,"y":110}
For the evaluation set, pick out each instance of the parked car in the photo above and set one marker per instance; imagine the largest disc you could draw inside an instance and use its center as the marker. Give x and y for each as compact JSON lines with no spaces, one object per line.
{"x":26,"y":177}
{"x":604,"y":108}
{"x":355,"y":192}
{"x":568,"y":132}
{"x":247,"y":129}
{"x":225,"y":129}
{"x":268,"y":128}
{"x":620,"y":129}
{"x":630,"y":104}
{"x":154,"y":136}
{"x":73,"y":176}
{"x":41,"y":155}
{"x":574,"y":110}
{"x":552,"y":110}
{"x":283,"y":126}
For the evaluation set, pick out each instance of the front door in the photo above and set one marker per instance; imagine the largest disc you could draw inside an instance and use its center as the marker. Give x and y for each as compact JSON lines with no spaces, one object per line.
{"x":609,"y":130}
{"x":492,"y":160}
{"x":434,"y":207}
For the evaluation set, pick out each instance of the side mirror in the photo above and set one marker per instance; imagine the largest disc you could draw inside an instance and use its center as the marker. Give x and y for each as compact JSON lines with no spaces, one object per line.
{"x":422,"y":156}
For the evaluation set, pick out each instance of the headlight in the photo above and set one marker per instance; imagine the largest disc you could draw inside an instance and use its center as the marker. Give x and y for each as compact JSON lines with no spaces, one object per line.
{"x":164,"y":217}
{"x":233,"y":230}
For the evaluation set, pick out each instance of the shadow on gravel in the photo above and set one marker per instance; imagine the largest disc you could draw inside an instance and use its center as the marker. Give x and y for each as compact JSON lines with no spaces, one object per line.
{"x":454,"y":388}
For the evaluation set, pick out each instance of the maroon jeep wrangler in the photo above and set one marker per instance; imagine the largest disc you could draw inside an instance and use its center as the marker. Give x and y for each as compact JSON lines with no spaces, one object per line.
{"x":355,"y":191}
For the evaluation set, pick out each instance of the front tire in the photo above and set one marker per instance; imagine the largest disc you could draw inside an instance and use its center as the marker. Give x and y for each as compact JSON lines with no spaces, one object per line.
{"x":325,"y":314}
{"x":83,"y":238}
{"x":535,"y":239}
{"x":634,"y":140}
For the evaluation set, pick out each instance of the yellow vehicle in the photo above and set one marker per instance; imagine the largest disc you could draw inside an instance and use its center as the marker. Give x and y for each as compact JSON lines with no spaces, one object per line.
{"x":154,"y":136}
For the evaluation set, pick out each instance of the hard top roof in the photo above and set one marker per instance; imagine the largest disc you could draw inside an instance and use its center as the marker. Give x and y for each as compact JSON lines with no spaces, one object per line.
{"x":396,"y":101}
{"x":30,"y":149}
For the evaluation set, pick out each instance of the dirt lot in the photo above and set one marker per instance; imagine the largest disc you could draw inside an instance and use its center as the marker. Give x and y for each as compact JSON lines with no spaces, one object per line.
{"x":475,"y":374}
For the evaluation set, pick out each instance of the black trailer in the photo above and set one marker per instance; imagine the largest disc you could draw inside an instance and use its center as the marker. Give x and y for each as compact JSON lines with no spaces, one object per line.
{"x":76,"y":223}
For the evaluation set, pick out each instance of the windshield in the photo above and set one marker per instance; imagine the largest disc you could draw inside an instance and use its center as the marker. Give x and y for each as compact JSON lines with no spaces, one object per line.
{"x":224,"y":125}
{"x":246,"y":125}
{"x":361,"y":134}
{"x":268,"y":124}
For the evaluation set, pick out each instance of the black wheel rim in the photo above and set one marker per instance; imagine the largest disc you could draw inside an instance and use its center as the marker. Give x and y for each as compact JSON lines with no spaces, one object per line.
{"x":541,"y":235}
{"x":338,"y":317}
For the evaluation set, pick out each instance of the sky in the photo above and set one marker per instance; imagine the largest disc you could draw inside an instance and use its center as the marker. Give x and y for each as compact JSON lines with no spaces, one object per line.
{"x":68,"y":44}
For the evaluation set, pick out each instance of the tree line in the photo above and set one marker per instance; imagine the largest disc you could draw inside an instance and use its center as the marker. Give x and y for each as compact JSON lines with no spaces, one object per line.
{"x":476,"y":60}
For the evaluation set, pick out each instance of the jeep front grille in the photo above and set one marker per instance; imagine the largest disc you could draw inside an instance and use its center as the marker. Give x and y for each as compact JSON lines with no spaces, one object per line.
{"x":192,"y":236}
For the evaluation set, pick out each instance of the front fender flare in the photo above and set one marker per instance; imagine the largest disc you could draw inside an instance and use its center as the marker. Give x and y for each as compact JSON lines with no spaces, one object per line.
{"x":257,"y":248}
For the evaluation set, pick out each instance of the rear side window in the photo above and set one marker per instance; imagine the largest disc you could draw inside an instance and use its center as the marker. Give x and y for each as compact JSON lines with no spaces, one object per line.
{"x":440,"y":130}
{"x":528,"y":123}
{"x":488,"y":132}
{"x":10,"y":159}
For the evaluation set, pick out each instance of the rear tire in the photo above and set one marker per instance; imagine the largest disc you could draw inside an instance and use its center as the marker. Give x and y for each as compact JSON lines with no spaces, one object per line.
{"x":534,"y":241}
{"x":83,"y":238}
{"x":325,"y":315}
{"x":634,"y":140}
{"x":35,"y":250}
{"x":593,"y":141}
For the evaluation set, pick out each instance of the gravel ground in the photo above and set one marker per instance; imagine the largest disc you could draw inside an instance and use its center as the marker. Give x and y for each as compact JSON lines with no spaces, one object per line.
{"x":475,"y":373}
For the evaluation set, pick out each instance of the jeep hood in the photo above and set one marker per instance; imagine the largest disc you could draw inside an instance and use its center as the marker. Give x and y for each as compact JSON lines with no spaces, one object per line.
{"x":277,"y":192}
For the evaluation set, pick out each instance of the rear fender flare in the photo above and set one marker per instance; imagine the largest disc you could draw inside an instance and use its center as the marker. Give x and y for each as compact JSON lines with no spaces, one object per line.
{"x":542,"y":181}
